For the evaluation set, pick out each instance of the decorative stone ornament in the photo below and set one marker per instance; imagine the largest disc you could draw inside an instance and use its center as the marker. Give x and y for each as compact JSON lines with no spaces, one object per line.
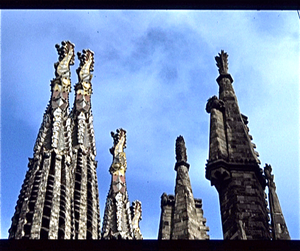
{"x":222,"y":62}
{"x":120,"y":220}
{"x":59,"y":197}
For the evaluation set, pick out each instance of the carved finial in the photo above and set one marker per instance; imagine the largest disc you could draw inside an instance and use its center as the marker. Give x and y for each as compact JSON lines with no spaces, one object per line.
{"x":222,"y":62}
{"x":119,"y":156}
{"x":136,"y":213}
{"x":269,"y":175}
{"x":84,"y":71}
{"x":119,"y":140}
{"x":180,"y":149}
{"x":216,"y":103}
{"x":66,"y":58}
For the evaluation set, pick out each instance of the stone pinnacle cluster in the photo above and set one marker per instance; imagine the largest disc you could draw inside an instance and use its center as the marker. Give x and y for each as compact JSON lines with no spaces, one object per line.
{"x":59,"y":197}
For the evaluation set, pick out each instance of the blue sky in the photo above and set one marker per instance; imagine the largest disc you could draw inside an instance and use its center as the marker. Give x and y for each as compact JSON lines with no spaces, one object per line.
{"x":154,"y":72}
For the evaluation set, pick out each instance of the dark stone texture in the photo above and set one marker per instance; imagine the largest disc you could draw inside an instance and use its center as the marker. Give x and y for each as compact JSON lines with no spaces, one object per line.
{"x":233,"y":164}
{"x":182,"y":215}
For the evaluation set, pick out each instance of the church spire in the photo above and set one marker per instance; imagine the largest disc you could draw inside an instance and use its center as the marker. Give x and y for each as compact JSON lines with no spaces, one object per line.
{"x":43,"y":209}
{"x":120,"y":221}
{"x":233,"y":164}
{"x":182,"y":215}
{"x":85,"y":204}
{"x":279,"y":227}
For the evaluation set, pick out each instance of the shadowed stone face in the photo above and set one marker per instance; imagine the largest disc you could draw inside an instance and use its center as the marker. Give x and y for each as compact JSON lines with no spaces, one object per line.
{"x":233,"y":165}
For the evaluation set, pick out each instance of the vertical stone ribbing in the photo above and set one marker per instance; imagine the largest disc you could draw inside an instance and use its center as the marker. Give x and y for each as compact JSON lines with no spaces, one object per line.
{"x":54,"y":215}
{"x":82,"y":231}
{"x":19,"y":219}
{"x":38,"y":208}
{"x":233,"y":164}
{"x":85,"y":219}
{"x":40,"y":200}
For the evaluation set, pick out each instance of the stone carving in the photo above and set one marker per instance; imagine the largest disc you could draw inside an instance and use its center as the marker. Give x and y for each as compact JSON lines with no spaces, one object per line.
{"x":119,"y":214}
{"x":136,"y":212}
{"x":180,"y":149}
{"x":66,"y":58}
{"x":119,"y":156}
{"x":81,"y":127}
{"x":62,"y":174}
{"x":215,"y":103}
{"x":269,"y":176}
{"x":57,"y":121}
{"x":84,"y":70}
{"x":222,"y":62}
{"x":120,"y":221}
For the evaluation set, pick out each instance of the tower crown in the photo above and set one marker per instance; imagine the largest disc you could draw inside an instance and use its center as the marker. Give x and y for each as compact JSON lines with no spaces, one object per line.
{"x":119,"y":156}
{"x":62,"y":67}
{"x":222,"y":62}
{"x":180,"y":149}
{"x":84,"y":71}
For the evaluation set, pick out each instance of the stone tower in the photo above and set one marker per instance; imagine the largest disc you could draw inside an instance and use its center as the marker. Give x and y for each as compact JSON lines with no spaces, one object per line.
{"x":120,"y":220}
{"x":44,"y":205}
{"x":233,"y":165}
{"x":182,"y":215}
{"x":59,"y":196}
{"x":85,"y":199}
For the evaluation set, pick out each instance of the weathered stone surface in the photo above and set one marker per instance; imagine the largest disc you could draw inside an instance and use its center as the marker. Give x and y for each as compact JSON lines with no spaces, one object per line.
{"x":120,"y":221}
{"x":50,"y":204}
{"x":233,"y":164}
{"x":279,"y":227}
{"x":38,"y":208}
{"x":180,"y":217}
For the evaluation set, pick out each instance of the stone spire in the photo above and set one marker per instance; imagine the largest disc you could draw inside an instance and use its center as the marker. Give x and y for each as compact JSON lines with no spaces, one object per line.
{"x":85,"y":203}
{"x":120,"y":220}
{"x":43,"y":207}
{"x":182,"y":215}
{"x":233,"y":164}
{"x":279,"y":227}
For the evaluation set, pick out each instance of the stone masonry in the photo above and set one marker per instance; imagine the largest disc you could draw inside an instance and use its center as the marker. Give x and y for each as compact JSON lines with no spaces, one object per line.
{"x":182,"y":215}
{"x":85,"y":199}
{"x":59,"y":197}
{"x":233,"y":165}
{"x":43,"y":209}
{"x":120,"y":220}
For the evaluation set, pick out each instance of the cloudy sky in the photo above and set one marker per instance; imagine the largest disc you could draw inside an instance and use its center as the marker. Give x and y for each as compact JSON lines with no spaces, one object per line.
{"x":154,"y":71}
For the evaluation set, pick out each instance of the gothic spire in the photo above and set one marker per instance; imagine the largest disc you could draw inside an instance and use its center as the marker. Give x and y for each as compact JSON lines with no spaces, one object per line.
{"x":233,"y":164}
{"x":43,"y":207}
{"x":279,"y":227}
{"x":182,"y":215}
{"x":120,"y":221}
{"x":230,"y":140}
{"x":85,"y":204}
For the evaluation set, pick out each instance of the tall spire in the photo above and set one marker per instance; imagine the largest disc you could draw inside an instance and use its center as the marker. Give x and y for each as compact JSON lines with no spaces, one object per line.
{"x":120,"y":220}
{"x":43,"y":208}
{"x":233,"y":164}
{"x":85,"y":204}
{"x":182,"y":215}
{"x":279,"y":227}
